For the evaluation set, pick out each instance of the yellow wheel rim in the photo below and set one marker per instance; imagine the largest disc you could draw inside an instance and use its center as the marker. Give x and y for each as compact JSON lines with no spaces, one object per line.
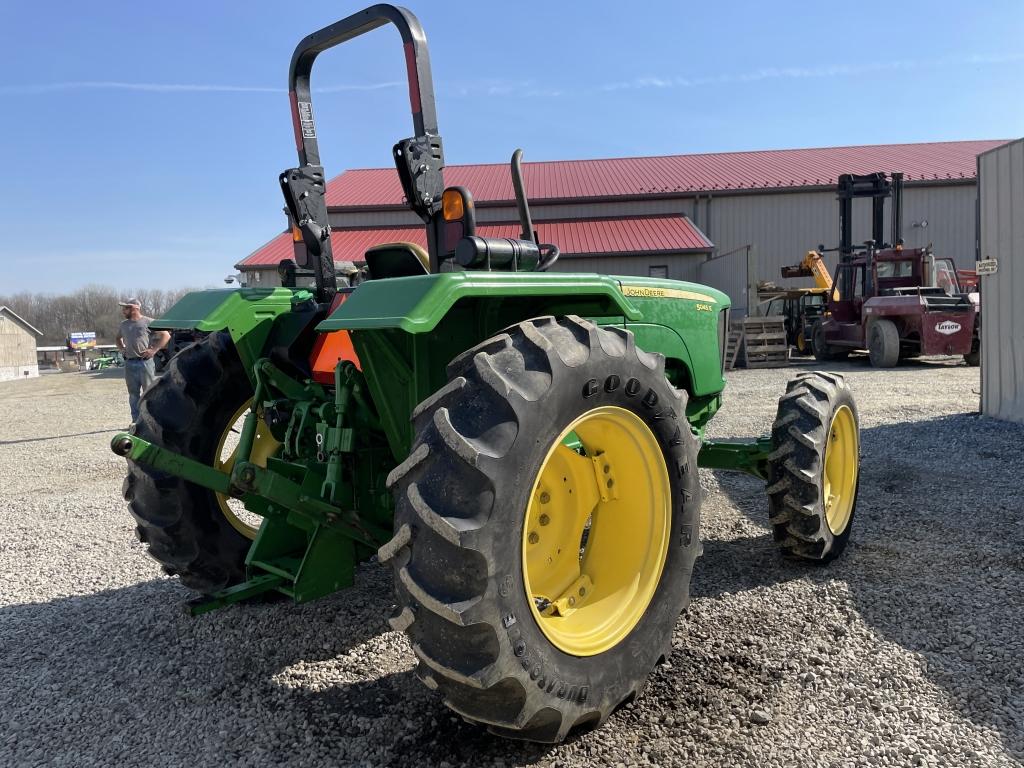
{"x":596,"y":531}
{"x":842,"y":456}
{"x":263,"y":447}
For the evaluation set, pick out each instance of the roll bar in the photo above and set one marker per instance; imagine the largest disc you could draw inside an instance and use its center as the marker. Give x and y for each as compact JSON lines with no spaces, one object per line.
{"x":417,"y":62}
{"x":420,"y":159}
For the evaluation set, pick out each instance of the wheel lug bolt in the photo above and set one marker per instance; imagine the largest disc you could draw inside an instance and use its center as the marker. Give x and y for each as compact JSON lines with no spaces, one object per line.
{"x":572,"y":601}
{"x":610,"y":482}
{"x":607,"y":469}
{"x":545,"y":497}
{"x":534,"y":538}
{"x":583,"y":591}
{"x":544,"y":519}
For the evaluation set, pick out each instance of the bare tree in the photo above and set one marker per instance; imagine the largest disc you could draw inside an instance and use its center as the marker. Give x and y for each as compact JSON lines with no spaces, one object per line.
{"x":92,"y":308}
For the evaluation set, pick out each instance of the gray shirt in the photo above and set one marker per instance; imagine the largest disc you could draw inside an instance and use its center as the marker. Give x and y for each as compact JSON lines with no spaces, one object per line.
{"x":135,"y":335}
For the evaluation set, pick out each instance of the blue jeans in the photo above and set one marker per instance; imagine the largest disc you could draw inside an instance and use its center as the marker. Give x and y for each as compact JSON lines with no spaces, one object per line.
{"x":139,"y":375}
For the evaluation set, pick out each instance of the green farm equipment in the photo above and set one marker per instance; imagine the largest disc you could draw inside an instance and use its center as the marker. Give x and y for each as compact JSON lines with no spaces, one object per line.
{"x":520,"y":446}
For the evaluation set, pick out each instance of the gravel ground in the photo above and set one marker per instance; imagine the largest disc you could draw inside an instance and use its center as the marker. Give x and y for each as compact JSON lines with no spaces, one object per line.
{"x":906,"y":651}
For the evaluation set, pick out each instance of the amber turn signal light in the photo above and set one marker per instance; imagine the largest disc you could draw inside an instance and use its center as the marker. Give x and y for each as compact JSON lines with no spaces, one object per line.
{"x":453,"y":205}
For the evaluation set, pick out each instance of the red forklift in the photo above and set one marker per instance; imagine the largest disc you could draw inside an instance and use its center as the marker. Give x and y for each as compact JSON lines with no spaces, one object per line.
{"x":894,"y":302}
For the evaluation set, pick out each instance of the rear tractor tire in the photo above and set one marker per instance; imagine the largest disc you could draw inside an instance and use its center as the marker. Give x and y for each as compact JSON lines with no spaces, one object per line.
{"x":814,"y":467}
{"x":547,"y":524}
{"x":883,"y":344}
{"x":191,"y":531}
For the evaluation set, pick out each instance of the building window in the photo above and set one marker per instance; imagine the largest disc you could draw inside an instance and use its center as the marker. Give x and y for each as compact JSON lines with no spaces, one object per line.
{"x":660,"y":270}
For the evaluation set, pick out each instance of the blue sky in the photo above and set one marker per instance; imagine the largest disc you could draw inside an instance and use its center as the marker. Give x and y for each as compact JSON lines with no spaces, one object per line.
{"x":142,"y":141}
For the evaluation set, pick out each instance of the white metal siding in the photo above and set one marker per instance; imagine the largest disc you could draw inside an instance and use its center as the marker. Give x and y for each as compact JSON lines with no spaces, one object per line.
{"x":680,"y":266}
{"x":9,"y":373}
{"x":263,"y":276}
{"x":17,"y":350}
{"x":729,"y":273}
{"x":390,"y":218}
{"x":781,"y":228}
{"x":1001,"y":236}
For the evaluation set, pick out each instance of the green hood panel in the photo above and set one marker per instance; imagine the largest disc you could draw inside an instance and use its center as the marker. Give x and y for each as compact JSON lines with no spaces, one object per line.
{"x":657,"y":288}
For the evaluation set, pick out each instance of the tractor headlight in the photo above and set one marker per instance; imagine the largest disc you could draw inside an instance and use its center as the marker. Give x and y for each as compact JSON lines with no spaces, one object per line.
{"x":723,"y":335}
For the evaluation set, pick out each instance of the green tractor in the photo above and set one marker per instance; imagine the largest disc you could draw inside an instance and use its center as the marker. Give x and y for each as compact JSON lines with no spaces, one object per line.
{"x":520,"y":446}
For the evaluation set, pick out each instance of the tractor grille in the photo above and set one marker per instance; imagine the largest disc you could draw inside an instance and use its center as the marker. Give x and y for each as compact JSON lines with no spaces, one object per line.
{"x":723,"y":335}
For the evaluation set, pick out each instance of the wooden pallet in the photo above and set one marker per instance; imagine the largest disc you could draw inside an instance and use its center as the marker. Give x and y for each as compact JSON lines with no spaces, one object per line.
{"x":732,"y":346}
{"x":764,"y":342}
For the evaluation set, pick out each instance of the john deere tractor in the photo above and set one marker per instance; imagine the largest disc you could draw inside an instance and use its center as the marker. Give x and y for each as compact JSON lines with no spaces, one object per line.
{"x":520,"y":446}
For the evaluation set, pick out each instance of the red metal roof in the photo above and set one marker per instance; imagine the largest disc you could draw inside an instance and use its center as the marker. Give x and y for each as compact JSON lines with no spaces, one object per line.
{"x":674,"y":174}
{"x":633,"y":234}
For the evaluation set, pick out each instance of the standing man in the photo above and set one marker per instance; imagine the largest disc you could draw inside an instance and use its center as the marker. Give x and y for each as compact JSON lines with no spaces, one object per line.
{"x":138,"y":345}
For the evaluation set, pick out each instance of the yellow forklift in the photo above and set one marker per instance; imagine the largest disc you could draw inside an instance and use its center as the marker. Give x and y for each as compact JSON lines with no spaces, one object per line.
{"x":800,"y":307}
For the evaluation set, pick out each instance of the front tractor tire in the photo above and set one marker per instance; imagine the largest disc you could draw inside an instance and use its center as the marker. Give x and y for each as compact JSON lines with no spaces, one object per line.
{"x":189,"y":530}
{"x":547,"y":524}
{"x":814,"y":467}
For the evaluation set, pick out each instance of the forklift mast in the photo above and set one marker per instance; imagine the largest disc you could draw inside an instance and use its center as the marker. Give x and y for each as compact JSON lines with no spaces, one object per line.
{"x":878,"y":187}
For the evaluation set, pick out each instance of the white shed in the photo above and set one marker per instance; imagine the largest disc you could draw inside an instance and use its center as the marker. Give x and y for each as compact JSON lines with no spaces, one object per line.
{"x":1001,"y":238}
{"x":17,"y":346}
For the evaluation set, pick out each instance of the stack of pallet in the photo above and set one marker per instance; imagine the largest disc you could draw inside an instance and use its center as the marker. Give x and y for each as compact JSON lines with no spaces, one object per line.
{"x":732,"y":345}
{"x":764,"y":342}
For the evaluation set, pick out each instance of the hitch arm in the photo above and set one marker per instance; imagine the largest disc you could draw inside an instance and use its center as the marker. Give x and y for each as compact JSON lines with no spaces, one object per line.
{"x":248,"y":478}
{"x":143,"y":452}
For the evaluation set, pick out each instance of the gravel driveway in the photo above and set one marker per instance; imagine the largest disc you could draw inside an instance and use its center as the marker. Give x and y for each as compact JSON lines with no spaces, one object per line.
{"x":909,"y":650}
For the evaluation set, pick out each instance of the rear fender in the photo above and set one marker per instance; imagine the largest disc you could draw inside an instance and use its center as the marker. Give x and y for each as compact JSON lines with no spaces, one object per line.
{"x":659,"y":316}
{"x":419,"y":304}
{"x":256,"y":318}
{"x":406,"y":330}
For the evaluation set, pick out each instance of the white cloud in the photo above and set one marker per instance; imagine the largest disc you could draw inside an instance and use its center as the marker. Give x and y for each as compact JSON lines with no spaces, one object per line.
{"x":363,"y":87}
{"x":532,"y":89}
{"x":796,"y":73}
{"x":114,"y":85}
{"x":993,"y":58}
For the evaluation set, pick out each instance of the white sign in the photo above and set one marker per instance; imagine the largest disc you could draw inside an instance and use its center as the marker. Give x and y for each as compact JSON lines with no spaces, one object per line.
{"x":986,"y":266}
{"x":947,"y":327}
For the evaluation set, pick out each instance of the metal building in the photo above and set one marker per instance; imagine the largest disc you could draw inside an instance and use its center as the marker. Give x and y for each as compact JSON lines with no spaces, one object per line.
{"x":728,"y":219}
{"x":17,"y":347}
{"x":1001,"y":237}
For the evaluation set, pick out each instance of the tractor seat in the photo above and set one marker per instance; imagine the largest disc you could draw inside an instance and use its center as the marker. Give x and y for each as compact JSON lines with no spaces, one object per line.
{"x":397,"y":260}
